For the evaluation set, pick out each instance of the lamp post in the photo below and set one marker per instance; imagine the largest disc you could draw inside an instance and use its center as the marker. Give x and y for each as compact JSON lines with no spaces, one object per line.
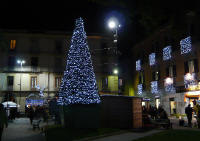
{"x":21,"y":62}
{"x":114,"y":25}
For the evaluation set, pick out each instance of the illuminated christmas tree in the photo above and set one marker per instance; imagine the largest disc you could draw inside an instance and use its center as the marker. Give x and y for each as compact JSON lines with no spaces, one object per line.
{"x":78,"y":84}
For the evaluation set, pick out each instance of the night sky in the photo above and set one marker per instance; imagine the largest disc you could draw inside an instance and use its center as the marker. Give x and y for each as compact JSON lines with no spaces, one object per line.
{"x":53,"y":15}
{"x":139,"y":18}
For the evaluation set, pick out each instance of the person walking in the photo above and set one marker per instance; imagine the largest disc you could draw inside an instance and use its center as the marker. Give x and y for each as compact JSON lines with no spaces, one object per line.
{"x":3,"y":120}
{"x":31,"y":114}
{"x":188,"y":112}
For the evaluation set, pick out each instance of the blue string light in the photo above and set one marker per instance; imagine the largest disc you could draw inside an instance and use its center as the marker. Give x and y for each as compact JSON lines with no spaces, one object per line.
{"x":140,"y":89}
{"x":154,"y":87}
{"x":138,"y":65}
{"x":186,"y":45}
{"x":167,"y":53}
{"x":78,"y":85}
{"x":152,"y":59}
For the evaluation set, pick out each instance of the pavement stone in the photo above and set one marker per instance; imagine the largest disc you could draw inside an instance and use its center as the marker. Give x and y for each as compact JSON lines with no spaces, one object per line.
{"x":21,"y":130}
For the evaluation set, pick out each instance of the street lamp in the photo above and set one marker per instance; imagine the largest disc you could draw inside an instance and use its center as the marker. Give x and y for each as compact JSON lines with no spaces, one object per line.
{"x":114,"y":25}
{"x":21,"y":62}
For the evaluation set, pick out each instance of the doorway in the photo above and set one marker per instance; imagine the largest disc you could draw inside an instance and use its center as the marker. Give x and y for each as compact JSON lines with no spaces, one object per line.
{"x":172,"y":106}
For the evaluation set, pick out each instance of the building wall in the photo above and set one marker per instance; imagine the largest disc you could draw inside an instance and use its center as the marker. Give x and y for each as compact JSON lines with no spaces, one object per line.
{"x":142,"y":51}
{"x":51,"y":62}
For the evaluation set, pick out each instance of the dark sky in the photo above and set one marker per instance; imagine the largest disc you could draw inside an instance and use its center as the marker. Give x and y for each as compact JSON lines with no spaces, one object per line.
{"x":53,"y":15}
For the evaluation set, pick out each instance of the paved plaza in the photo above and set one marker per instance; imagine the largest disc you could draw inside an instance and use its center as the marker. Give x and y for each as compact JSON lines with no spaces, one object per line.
{"x":21,"y":130}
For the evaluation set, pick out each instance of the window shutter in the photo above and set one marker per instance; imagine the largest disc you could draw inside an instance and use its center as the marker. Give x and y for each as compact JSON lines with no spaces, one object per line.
{"x":153,"y":76}
{"x":159,"y":75}
{"x":186,"y":67}
{"x":174,"y":70}
{"x":167,"y":72}
{"x":196,"y":68}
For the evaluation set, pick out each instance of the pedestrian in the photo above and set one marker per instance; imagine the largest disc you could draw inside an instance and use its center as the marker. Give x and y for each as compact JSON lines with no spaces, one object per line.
{"x":3,"y":119}
{"x":31,"y":114}
{"x":188,"y":112}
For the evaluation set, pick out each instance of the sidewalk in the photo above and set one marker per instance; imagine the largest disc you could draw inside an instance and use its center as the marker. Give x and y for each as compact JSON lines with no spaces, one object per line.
{"x":21,"y":130}
{"x":129,"y":136}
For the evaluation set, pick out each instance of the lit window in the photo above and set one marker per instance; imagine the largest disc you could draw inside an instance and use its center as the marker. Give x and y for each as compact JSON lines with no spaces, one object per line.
{"x":12,"y":44}
{"x":33,"y":82}
{"x":57,"y":82}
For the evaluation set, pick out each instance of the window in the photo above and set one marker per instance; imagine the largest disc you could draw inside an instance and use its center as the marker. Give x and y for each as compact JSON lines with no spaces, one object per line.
{"x":141,"y":78}
{"x":11,"y":61}
{"x":10,"y":80}
{"x":34,"y":61}
{"x":191,"y":66}
{"x":12,"y":44}
{"x":156,"y":76}
{"x":58,"y":46}
{"x":57,"y":82}
{"x":33,"y":82}
{"x":34,"y":47}
{"x":104,"y":83}
{"x":171,"y":71}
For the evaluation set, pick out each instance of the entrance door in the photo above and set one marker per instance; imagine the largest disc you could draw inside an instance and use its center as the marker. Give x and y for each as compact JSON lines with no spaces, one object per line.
{"x":191,"y":100}
{"x":157,"y":102}
{"x":172,"y":106}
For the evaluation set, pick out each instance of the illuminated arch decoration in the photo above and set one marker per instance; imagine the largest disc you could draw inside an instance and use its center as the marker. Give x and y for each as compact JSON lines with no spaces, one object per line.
{"x":186,"y":45}
{"x":167,"y":53}
{"x":154,"y":87}
{"x":140,"y":89}
{"x":138,"y":65}
{"x":152,"y":59}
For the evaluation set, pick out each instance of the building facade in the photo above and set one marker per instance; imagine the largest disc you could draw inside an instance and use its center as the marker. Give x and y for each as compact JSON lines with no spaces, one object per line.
{"x":167,"y":70}
{"x":31,"y":61}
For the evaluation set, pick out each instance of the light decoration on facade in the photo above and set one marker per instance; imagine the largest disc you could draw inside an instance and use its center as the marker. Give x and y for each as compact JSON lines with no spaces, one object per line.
{"x":138,"y":65}
{"x":152,"y":59}
{"x":168,"y":83}
{"x":140,"y":89}
{"x":190,"y":80}
{"x":186,"y":45}
{"x":78,"y":85}
{"x":154,"y":87}
{"x":167,"y":53}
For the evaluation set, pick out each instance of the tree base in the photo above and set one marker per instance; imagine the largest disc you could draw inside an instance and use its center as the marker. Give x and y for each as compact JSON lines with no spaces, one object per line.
{"x":82,"y":116}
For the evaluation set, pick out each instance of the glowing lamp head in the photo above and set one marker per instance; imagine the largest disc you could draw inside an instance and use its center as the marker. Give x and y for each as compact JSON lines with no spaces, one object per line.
{"x":23,"y":62}
{"x":18,"y":61}
{"x":169,"y":81}
{"x":188,"y":76}
{"x":111,"y":24}
{"x":115,"y":71}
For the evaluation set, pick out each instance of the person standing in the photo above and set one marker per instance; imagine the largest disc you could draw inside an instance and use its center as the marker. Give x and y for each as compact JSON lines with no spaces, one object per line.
{"x":188,"y":111}
{"x":3,"y":119}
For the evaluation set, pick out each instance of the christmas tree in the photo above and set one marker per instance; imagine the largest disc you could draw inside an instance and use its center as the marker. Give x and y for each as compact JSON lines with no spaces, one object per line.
{"x":78,"y":84}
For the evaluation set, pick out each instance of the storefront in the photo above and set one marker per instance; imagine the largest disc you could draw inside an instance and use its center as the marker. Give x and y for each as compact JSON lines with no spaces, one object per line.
{"x":34,"y":100}
{"x":191,"y":97}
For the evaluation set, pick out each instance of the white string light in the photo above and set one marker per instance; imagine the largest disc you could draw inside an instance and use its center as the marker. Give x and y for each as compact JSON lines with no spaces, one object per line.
{"x":78,"y":84}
